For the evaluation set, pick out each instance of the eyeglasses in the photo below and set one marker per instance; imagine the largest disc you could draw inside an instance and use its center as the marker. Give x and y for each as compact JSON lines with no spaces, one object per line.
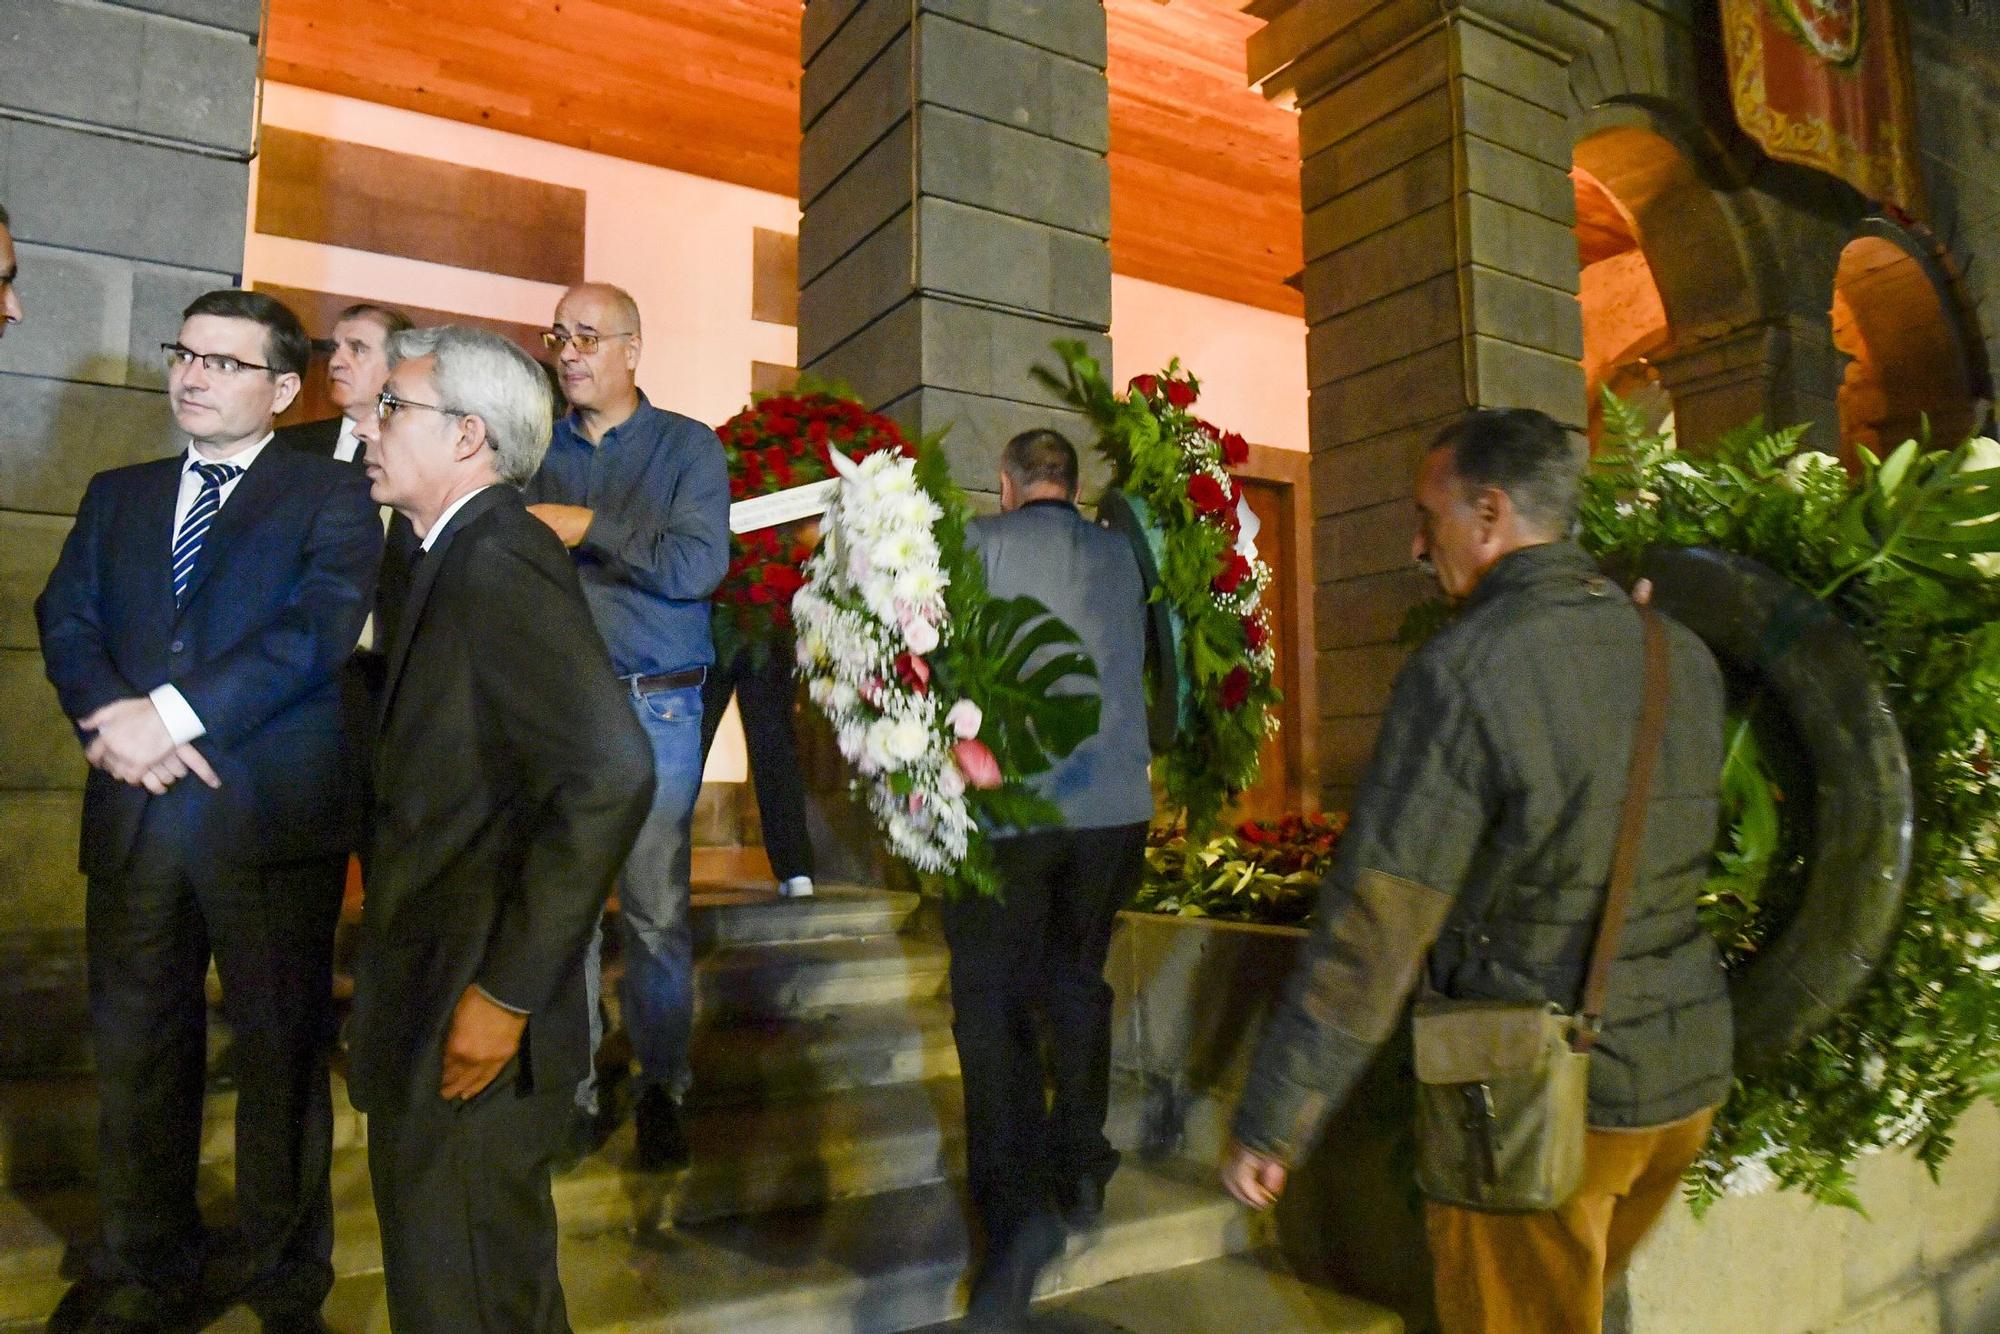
{"x":215,"y":363}
{"x":388,"y":405}
{"x":586,"y":343}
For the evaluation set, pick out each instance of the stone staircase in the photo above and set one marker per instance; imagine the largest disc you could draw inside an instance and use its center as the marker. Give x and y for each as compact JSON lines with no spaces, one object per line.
{"x":826,"y":1133}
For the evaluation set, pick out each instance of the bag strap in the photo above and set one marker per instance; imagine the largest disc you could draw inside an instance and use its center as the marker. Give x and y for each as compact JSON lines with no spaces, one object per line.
{"x":1631,"y":831}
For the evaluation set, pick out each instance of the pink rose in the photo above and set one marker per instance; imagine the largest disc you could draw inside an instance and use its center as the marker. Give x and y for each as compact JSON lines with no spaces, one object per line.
{"x":976,"y":762}
{"x":920,"y":635}
{"x":964,"y":719}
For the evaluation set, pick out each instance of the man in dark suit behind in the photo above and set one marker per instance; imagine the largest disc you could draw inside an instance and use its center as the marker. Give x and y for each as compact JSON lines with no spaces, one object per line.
{"x":355,"y":371}
{"x":193,"y":628}
{"x":1041,"y":948}
{"x":511,"y":780}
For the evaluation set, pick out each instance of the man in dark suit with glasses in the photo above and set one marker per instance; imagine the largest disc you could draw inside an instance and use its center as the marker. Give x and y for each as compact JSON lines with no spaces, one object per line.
{"x":194,"y":628}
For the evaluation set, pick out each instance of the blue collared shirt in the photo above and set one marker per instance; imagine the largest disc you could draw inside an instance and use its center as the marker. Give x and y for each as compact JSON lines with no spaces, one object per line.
{"x":658,"y":543}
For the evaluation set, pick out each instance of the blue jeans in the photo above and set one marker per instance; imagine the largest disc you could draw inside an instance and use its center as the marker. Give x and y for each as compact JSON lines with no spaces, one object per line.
{"x":658,"y":994}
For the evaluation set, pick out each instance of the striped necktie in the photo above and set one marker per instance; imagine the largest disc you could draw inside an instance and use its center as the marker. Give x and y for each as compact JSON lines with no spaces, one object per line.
{"x":187,"y":545}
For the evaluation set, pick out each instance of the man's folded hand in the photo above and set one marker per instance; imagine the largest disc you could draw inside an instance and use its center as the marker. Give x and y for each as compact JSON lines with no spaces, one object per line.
{"x":483,"y":1037}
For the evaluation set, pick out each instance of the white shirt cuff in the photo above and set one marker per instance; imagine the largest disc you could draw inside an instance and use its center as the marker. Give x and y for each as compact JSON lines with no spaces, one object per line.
{"x":182,"y":724}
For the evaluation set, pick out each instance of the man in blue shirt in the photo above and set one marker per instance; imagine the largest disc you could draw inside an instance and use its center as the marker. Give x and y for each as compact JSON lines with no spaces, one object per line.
{"x":641,"y":496}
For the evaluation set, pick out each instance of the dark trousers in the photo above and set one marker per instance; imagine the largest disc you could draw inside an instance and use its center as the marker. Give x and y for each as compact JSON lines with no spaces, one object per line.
{"x":150,"y":932}
{"x":468,"y":1224}
{"x":1039,"y":952}
{"x":766,"y":694}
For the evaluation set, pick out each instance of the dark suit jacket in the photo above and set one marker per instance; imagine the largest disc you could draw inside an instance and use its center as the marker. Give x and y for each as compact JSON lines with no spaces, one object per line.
{"x":511,"y":778}
{"x":278,"y":596}
{"x":361,"y":680}
{"x":393,"y":586}
{"x":318,"y":437}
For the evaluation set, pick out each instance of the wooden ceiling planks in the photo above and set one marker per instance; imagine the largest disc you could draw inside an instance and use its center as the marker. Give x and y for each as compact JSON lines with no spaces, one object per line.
{"x":1204,"y":172}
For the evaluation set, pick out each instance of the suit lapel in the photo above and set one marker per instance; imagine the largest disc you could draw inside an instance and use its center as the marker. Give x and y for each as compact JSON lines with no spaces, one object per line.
{"x":427,"y":566}
{"x":152,"y":553}
{"x":249,"y":502}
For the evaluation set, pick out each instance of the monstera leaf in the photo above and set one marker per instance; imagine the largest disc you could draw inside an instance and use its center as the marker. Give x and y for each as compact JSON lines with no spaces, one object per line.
{"x":1924,"y":511}
{"x":1028,"y":654}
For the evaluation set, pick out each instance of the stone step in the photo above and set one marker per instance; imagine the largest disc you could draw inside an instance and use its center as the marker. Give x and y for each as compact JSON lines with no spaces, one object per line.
{"x":790,"y":1155}
{"x":48,"y":1129}
{"x":774,"y":993}
{"x":777,"y":979}
{"x":884,"y":1263}
{"x":780,"y":1057}
{"x":833,"y":910}
{"x":1251,"y":1291}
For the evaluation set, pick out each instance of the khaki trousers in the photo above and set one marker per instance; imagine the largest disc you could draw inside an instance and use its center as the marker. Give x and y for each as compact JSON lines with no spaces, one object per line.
{"x":1544,"y":1273}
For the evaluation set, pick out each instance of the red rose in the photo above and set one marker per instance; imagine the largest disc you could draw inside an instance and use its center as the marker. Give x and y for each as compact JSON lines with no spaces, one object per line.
{"x":1145,"y":384}
{"x":1207,"y":494}
{"x":816,"y":430}
{"x":1235,"y":688}
{"x":783,"y":580}
{"x":1179,"y":393}
{"x":1235,"y":449}
{"x":843,"y":433}
{"x":1254,"y":633}
{"x":913,"y":672}
{"x":1234,"y":571}
{"x":761,"y":594}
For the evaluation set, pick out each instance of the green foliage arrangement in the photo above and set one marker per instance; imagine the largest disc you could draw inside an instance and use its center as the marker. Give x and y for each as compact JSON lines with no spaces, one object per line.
{"x":1265,"y":871}
{"x":1907,"y":552}
{"x":1173,"y":469}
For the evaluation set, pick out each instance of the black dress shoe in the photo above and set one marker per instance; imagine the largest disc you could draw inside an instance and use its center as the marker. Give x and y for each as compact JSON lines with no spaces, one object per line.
{"x":661,"y":1143}
{"x":94,"y":1306}
{"x":584,"y":1135}
{"x":1005,"y":1284}
{"x":1082,"y":1203}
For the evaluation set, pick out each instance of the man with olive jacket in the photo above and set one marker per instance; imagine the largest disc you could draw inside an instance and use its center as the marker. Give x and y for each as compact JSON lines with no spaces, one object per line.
{"x":1479,"y":853}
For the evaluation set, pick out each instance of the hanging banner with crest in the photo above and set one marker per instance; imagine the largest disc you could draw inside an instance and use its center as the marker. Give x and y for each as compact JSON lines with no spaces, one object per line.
{"x":1826,"y":84}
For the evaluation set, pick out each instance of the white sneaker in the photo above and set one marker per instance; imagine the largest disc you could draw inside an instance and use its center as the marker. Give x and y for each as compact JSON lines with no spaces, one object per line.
{"x":798,"y":887}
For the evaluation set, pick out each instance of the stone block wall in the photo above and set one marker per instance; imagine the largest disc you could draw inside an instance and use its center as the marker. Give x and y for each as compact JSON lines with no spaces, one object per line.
{"x":126,"y":131}
{"x":1955,"y":48}
{"x":957,"y":210}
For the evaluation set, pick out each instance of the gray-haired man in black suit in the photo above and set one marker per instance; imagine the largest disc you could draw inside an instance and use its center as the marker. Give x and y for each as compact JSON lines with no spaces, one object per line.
{"x":1041,"y":949}
{"x":510,"y":782}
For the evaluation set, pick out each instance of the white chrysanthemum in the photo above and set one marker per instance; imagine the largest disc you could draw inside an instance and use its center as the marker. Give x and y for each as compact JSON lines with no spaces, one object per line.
{"x":919,"y":586}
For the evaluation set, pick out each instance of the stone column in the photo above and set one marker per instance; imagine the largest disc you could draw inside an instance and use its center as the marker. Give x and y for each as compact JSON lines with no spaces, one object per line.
{"x":957,"y":209}
{"x":1441,"y":274}
{"x":125,"y":137}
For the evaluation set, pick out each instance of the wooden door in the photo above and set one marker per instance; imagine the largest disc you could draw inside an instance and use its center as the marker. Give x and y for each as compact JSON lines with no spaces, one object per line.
{"x":1276,"y":485}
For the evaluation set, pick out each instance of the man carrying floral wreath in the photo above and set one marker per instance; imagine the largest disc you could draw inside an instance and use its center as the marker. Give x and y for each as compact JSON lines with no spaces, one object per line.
{"x":641,"y":496}
{"x":1041,"y":946}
